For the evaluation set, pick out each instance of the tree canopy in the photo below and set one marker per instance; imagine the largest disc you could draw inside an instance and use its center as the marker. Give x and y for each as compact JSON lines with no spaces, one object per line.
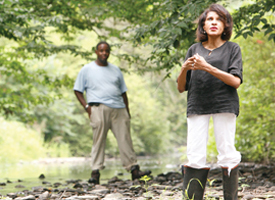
{"x":167,"y":26}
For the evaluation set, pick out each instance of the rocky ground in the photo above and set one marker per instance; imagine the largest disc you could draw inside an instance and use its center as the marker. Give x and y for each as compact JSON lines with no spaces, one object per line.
{"x":256,"y":182}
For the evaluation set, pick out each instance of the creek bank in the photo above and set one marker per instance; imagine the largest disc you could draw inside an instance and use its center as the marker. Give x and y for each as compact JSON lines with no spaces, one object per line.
{"x":256,"y":182}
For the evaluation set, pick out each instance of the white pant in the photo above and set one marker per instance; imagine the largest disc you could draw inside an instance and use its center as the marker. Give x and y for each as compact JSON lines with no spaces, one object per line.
{"x":224,"y":129}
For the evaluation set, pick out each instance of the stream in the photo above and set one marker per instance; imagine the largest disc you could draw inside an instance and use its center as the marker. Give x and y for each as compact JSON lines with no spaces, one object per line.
{"x":62,"y":169}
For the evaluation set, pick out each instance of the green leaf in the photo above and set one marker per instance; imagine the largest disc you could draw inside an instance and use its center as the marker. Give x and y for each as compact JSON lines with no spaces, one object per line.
{"x":264,"y":20}
{"x":272,"y":36}
{"x":176,"y":44}
{"x":182,"y":24}
{"x":250,"y":33}
{"x":269,"y":30}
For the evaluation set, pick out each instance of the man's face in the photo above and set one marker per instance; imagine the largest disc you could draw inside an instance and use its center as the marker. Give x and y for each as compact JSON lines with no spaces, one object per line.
{"x":103,"y":52}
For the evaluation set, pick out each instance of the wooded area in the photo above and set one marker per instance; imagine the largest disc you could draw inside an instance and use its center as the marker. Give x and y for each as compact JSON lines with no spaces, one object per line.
{"x":44,"y":44}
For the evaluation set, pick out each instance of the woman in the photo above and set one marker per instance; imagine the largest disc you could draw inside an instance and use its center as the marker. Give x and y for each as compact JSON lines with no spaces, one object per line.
{"x":211,"y":74}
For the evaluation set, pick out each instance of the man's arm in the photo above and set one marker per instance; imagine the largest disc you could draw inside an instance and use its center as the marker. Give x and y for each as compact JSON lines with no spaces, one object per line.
{"x":125,"y":99}
{"x":82,"y":100}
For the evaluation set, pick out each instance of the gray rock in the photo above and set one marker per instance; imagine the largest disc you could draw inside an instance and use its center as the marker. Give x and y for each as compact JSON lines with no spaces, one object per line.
{"x":99,"y":191}
{"x":3,"y":184}
{"x":164,"y":186}
{"x":168,"y":193}
{"x":44,"y":196}
{"x":86,"y":197}
{"x":249,"y":196}
{"x":30,"y":197}
{"x":113,"y":196}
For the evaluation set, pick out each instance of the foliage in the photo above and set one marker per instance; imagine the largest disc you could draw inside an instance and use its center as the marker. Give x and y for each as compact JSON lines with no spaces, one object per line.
{"x":58,"y":150}
{"x":34,"y":33}
{"x":31,"y":77}
{"x":21,"y":87}
{"x":173,"y":105}
{"x":172,"y":29}
{"x":19,"y":143}
{"x":170,"y":33}
{"x":149,"y":126}
{"x":61,"y":126}
{"x":147,"y":194}
{"x":255,"y":17}
{"x":167,"y":26}
{"x":25,"y":31}
{"x":255,"y":138}
{"x":145,"y":179}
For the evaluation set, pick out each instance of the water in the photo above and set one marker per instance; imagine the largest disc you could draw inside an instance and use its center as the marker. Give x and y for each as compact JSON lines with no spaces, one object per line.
{"x":60,"y":170}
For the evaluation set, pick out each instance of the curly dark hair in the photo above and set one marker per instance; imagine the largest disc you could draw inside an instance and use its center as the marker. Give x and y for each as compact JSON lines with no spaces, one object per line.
{"x":103,"y":42}
{"x":225,"y":17}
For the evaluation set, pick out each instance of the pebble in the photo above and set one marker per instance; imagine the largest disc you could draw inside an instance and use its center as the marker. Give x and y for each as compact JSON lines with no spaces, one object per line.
{"x":248,"y":196}
{"x":256,"y":182}
{"x":29,"y":197}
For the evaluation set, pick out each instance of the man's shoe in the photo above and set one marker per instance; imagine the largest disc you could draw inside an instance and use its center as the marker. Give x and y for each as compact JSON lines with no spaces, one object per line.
{"x":137,"y":174}
{"x":95,"y":177}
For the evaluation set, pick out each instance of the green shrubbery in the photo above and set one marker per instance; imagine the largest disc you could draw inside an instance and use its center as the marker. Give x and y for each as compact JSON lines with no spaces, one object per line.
{"x":20,"y":143}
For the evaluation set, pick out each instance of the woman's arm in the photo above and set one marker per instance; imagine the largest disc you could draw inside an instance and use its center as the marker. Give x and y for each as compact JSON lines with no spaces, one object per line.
{"x":187,"y":65}
{"x":227,"y":78}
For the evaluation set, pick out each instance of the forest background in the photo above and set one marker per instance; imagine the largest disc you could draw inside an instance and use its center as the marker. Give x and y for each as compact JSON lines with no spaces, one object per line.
{"x":44,"y":44}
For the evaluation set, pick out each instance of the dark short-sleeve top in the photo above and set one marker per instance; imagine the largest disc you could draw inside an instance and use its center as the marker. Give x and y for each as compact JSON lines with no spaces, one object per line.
{"x":206,"y":93}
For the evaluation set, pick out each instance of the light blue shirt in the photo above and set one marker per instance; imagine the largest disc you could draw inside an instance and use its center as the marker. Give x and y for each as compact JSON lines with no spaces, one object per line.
{"x":103,"y":84}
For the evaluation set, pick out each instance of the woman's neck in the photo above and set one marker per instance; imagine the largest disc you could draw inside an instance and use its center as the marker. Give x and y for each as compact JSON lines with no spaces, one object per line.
{"x":213,"y":43}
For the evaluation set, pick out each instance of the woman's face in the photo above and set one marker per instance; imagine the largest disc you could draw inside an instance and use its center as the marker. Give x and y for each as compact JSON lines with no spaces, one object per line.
{"x":213,"y":25}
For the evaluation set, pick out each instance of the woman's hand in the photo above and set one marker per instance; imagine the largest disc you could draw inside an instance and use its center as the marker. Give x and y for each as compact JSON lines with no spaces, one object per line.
{"x":188,"y":64}
{"x":199,"y":62}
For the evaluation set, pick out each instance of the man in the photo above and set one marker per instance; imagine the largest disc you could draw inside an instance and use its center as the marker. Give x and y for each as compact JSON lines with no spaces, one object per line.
{"x":107,"y":108}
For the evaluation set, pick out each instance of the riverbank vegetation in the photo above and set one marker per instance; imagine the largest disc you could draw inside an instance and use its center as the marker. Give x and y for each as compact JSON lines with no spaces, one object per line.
{"x":44,"y":44}
{"x":21,"y":143}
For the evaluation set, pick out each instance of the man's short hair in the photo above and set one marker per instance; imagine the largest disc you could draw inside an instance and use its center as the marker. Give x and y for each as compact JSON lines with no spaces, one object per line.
{"x":103,"y":42}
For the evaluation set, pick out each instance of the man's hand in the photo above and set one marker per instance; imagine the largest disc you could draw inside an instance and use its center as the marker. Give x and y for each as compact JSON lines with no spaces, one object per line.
{"x":82,"y":101}
{"x":89,"y":111}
